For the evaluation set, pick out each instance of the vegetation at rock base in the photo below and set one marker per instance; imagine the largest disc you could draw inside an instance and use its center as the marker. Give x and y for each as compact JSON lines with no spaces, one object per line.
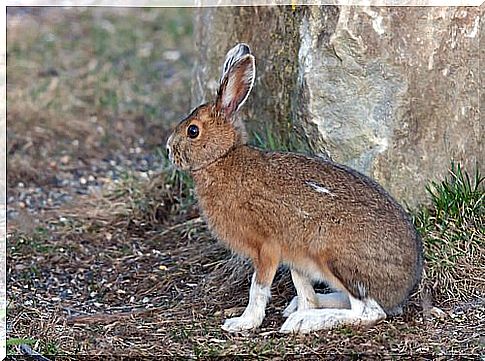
{"x":453,"y":230}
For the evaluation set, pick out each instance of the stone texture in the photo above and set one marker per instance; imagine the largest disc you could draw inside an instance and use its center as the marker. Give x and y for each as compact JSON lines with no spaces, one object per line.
{"x":392,"y":92}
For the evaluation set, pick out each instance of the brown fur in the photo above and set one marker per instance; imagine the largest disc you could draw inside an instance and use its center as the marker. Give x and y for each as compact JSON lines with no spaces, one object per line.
{"x":265,"y":205}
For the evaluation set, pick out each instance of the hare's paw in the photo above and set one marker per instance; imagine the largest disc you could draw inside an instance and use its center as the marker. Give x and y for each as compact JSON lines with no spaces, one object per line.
{"x":238,"y":324}
{"x":297,"y":322}
{"x":291,"y":308}
{"x":362,"y":313}
{"x":309,"y":320}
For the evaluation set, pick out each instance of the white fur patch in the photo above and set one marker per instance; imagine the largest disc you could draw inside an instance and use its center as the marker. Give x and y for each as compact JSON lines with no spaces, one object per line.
{"x":362,"y":290}
{"x":365,"y":312}
{"x":319,"y":188}
{"x":305,"y":291}
{"x":325,"y":300}
{"x":254,"y":313}
{"x":170,"y":152}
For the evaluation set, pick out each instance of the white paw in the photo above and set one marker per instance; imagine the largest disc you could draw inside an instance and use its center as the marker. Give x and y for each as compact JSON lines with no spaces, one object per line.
{"x":292,"y":307}
{"x":305,"y":321}
{"x":238,"y":324}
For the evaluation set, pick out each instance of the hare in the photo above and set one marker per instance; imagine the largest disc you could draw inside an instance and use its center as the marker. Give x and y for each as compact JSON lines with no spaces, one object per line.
{"x":327,"y":222}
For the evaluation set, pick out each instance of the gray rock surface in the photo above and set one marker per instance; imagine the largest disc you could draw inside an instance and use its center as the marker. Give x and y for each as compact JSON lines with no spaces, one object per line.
{"x":393,"y":92}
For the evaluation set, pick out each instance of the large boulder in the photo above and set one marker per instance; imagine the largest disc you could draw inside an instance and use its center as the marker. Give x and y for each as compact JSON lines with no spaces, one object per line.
{"x":390,"y":91}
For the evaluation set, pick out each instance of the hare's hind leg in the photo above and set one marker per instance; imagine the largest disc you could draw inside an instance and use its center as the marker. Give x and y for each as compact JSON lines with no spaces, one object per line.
{"x":306,"y":297}
{"x":361,"y":313}
{"x":337,"y":300}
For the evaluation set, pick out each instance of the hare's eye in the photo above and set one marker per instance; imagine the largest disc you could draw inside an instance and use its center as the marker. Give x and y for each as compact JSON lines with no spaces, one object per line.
{"x":193,"y":131}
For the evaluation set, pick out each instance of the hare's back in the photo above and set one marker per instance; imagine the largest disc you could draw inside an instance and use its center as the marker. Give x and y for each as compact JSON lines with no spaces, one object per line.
{"x":337,"y":201}
{"x":324,"y":180}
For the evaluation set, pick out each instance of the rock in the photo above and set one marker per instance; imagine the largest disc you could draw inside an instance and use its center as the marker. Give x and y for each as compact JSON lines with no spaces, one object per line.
{"x":390,"y":91}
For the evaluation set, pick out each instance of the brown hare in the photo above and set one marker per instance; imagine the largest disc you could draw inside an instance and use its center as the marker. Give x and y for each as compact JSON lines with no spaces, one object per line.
{"x":326,"y":222}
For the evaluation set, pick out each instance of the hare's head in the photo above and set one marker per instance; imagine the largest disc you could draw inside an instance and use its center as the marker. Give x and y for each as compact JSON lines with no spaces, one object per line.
{"x":211,"y":130}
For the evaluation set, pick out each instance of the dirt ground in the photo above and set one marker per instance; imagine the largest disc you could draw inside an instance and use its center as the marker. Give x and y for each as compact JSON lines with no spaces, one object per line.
{"x":107,"y":253}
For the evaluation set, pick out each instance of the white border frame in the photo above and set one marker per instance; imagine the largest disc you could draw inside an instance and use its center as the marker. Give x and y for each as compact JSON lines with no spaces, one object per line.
{"x":133,"y":3}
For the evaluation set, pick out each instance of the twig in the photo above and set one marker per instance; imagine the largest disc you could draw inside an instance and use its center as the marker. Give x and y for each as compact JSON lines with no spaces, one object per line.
{"x":190,"y":221}
{"x":70,"y":310}
{"x":107,"y":317}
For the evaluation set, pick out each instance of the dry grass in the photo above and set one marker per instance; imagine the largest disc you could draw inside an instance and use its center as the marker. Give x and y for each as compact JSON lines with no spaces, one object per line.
{"x":130,"y":268}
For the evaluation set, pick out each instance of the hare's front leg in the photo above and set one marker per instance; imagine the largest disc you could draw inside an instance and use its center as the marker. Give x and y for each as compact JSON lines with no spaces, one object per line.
{"x":254,"y":313}
{"x":259,"y":293}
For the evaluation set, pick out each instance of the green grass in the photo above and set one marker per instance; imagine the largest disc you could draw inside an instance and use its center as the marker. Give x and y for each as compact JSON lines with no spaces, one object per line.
{"x":458,"y":200}
{"x":36,"y":241}
{"x":46,"y":348}
{"x":269,"y":139}
{"x":453,"y":231}
{"x":13,"y":342}
{"x":50,"y":348}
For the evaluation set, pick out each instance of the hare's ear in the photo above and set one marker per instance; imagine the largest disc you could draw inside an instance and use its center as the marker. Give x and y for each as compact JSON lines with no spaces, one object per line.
{"x":236,"y":84}
{"x":233,"y":55}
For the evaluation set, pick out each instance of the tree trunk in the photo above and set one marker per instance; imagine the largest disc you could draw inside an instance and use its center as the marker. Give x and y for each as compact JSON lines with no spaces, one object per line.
{"x":390,"y":91}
